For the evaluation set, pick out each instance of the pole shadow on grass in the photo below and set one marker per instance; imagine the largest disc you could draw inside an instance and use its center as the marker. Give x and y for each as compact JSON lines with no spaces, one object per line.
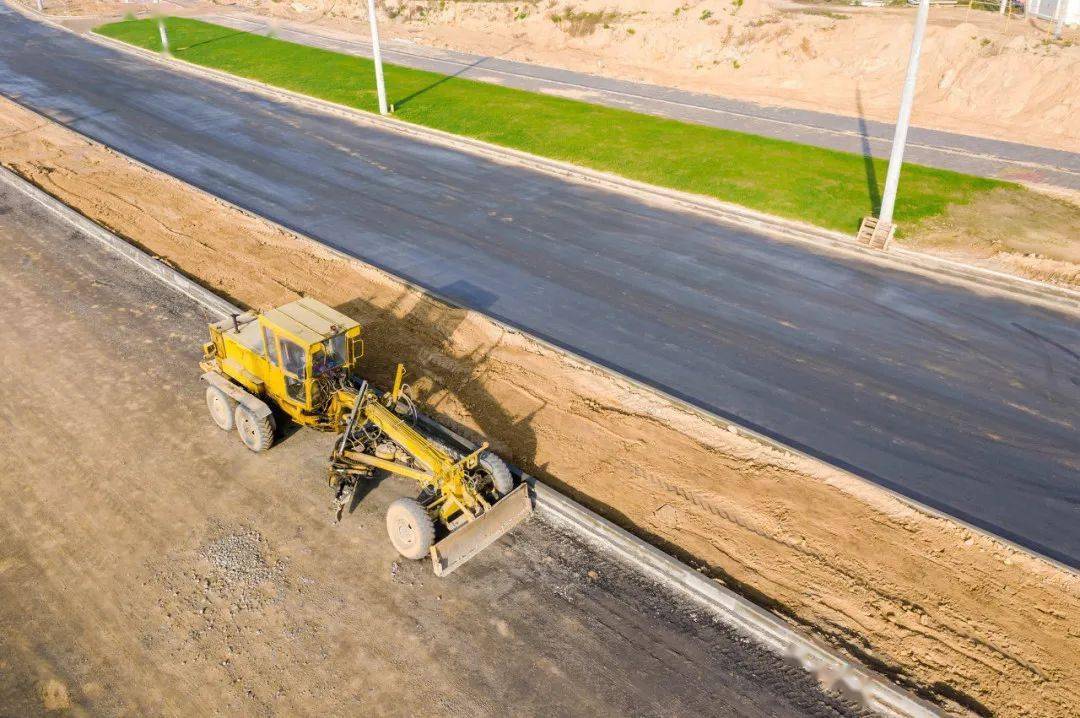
{"x":445,"y":78}
{"x":210,"y":40}
{"x":872,"y":191}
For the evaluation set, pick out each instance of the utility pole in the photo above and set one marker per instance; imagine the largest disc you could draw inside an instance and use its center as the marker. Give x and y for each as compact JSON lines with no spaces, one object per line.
{"x":164,"y":35}
{"x":1004,"y":4}
{"x":1059,"y":17}
{"x":376,"y":55}
{"x":896,"y":158}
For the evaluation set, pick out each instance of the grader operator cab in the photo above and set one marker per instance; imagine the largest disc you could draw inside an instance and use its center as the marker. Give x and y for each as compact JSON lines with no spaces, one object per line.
{"x":302,"y":358}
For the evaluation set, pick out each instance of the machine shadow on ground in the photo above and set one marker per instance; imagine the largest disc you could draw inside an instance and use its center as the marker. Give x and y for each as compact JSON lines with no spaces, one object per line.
{"x":422,"y":332}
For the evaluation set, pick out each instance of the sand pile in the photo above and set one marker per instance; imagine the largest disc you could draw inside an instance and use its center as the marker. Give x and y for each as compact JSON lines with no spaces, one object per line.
{"x":957,"y":614}
{"x":979,"y":75}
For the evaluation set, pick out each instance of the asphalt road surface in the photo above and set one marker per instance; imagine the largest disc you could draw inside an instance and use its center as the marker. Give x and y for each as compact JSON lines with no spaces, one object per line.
{"x":963,"y":401}
{"x":152,"y":565}
{"x":934,"y":148}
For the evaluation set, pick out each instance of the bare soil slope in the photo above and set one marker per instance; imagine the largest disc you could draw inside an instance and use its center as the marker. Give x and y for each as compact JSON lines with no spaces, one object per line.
{"x":955,"y":613}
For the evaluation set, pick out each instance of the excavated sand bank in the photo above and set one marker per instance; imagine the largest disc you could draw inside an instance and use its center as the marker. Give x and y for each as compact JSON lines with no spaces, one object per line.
{"x":959,"y":615}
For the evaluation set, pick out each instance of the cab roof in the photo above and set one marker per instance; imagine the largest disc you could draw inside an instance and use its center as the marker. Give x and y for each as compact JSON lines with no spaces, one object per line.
{"x":309,"y":320}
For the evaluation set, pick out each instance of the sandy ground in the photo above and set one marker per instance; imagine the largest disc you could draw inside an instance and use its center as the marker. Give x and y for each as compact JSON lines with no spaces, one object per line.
{"x":980,"y":74}
{"x":957,"y":614}
{"x":151,"y":565}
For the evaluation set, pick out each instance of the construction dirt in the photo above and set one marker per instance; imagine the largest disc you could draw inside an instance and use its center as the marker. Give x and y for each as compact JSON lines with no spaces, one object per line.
{"x":150,"y":565}
{"x":961,"y":616}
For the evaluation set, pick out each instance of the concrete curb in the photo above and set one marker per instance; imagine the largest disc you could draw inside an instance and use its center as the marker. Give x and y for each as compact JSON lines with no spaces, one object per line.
{"x":731,"y":214}
{"x":171,"y":277}
{"x":833,"y":670}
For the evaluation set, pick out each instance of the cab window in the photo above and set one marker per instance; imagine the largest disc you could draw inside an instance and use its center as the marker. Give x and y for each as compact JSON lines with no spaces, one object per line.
{"x":293,"y":358}
{"x":337,"y":350}
{"x":329,"y":357}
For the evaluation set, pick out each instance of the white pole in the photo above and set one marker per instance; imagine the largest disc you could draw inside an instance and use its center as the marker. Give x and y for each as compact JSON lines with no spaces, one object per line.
{"x":164,"y":35}
{"x":896,"y":158}
{"x":1003,"y":4}
{"x":376,"y":55}
{"x":40,"y":6}
{"x":1059,"y":17}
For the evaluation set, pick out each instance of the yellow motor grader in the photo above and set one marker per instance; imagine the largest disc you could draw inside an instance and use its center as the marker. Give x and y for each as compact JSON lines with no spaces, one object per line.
{"x":302,"y":359}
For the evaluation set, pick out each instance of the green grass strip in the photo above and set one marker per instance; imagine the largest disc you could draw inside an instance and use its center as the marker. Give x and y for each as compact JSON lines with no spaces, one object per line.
{"x":824,"y":187}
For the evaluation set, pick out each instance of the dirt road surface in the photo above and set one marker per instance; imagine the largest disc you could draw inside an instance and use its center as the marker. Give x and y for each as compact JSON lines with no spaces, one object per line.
{"x":151,"y":565}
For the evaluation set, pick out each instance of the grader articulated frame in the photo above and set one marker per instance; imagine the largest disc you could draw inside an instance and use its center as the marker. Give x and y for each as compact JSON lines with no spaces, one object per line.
{"x":301,"y":359}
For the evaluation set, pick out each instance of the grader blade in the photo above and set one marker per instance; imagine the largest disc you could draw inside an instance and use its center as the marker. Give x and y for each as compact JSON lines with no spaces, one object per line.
{"x":472,"y":538}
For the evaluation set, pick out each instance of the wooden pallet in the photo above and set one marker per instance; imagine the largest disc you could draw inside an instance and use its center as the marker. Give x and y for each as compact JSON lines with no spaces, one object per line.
{"x":875,"y":234}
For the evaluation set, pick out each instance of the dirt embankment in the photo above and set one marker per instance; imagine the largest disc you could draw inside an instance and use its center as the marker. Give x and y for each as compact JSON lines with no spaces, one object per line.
{"x":959,"y":615}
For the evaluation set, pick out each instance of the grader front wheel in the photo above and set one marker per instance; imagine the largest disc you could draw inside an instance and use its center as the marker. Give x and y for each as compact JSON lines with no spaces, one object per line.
{"x":491,"y":466}
{"x":411,"y":529}
{"x":497,"y":470}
